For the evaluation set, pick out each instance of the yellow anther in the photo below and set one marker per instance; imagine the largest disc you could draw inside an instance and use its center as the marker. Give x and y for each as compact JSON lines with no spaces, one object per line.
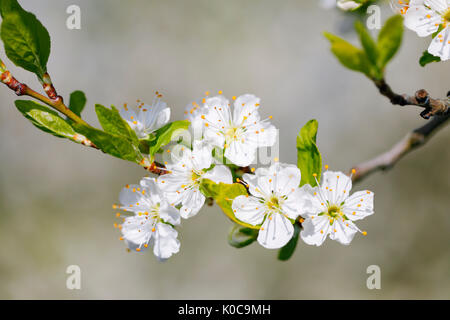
{"x":326,"y":167}
{"x":234,"y":98}
{"x":220,"y":92}
{"x":364,"y":233}
{"x":276,"y":159}
{"x":252,"y":169}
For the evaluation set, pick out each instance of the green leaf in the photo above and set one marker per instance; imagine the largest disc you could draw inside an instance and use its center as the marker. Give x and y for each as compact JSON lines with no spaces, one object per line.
{"x":309,"y":160}
{"x":369,"y":45}
{"x":113,"y":123}
{"x":240,"y":237}
{"x":427,"y":58}
{"x":27,"y":42}
{"x":45,"y":119}
{"x":164,"y":135}
{"x":349,"y":55}
{"x":224,"y":194}
{"x":389,"y":40}
{"x":77,"y":102}
{"x":288,"y":250}
{"x":114,"y":145}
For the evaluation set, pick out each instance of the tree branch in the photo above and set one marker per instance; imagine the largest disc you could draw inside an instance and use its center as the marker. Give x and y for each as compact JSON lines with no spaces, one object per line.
{"x":432,"y":107}
{"x":410,"y":142}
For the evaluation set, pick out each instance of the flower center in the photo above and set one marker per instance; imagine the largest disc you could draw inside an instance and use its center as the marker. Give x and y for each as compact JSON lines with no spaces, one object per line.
{"x":273,"y":203}
{"x":334,"y":211}
{"x":196,"y":175}
{"x":446,"y":15}
{"x":232,"y":134}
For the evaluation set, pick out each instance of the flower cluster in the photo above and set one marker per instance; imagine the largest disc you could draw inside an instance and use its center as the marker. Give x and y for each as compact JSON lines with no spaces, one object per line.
{"x":429,"y":17}
{"x":227,"y":136}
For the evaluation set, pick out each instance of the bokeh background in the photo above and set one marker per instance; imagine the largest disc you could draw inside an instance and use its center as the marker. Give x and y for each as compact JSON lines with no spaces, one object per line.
{"x":56,"y":196}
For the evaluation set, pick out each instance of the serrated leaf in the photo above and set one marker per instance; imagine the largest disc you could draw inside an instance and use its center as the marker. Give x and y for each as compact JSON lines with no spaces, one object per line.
{"x":348,"y":55}
{"x":26,"y":41}
{"x":369,"y":45}
{"x":114,"y":145}
{"x":77,"y":102}
{"x":240,"y":236}
{"x":224,"y":194}
{"x":113,"y":123}
{"x":288,"y":250}
{"x":45,"y":119}
{"x":164,"y":135}
{"x":389,"y":40}
{"x":427,"y":58}
{"x":309,"y":159}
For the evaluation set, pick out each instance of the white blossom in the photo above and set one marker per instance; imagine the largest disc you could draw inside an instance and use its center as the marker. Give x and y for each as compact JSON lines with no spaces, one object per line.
{"x":145,"y":119}
{"x":274,"y":203}
{"x":239,"y":131}
{"x":329,"y":210}
{"x":151,"y":224}
{"x":182,"y":182}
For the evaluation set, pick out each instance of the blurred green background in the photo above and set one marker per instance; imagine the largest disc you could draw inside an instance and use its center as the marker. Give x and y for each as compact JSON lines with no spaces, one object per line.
{"x":56,"y":196}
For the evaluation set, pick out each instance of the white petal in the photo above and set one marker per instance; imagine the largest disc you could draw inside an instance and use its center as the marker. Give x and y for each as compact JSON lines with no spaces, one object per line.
{"x":315,"y":230}
{"x":246,"y":110}
{"x":440,"y":45}
{"x":287,"y":178}
{"x":276,"y":232}
{"x":252,"y":181}
{"x":248,"y":209}
{"x":422,"y":20}
{"x":438,"y":5}
{"x":240,"y":153}
{"x":173,"y":182}
{"x":162,"y":119}
{"x":293,"y":206}
{"x":201,"y":157}
{"x":132,"y":199}
{"x":218,"y":111}
{"x":311,"y":203}
{"x":166,"y":243}
{"x":193,"y":201}
{"x":218,"y":174}
{"x":137,"y":231}
{"x":262,"y":134}
{"x":169,"y":213}
{"x":336,"y":186}
{"x":343,"y":231}
{"x":359,"y":205}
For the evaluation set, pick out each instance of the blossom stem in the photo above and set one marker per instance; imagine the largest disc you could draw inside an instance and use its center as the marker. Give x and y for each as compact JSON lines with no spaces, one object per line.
{"x":21,"y":89}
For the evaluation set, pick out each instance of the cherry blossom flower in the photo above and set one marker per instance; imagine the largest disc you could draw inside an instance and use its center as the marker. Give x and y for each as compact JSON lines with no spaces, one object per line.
{"x":182,"y":182}
{"x":274,"y":203}
{"x":329,"y":210}
{"x":240,"y":132}
{"x":145,"y":119}
{"x":426,"y":17}
{"x":152,"y":221}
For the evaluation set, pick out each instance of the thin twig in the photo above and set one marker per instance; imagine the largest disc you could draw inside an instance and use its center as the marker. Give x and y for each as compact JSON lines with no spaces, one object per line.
{"x":410,"y":142}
